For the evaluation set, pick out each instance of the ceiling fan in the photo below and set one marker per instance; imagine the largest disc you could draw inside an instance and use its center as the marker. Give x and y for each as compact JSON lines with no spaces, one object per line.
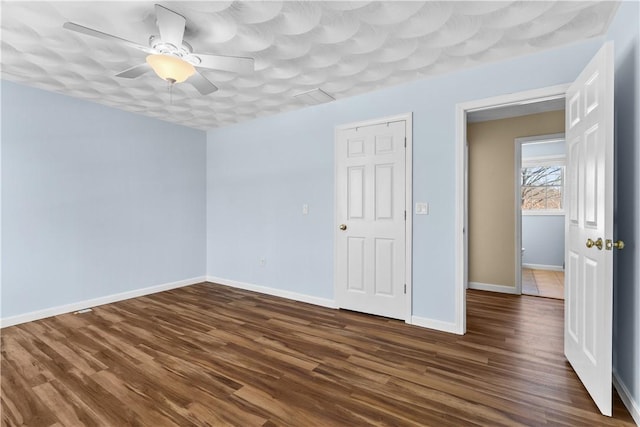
{"x":170,"y":56}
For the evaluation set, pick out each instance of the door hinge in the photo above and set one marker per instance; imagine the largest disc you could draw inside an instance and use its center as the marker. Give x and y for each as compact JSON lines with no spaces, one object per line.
{"x":405,"y":142}
{"x":405,"y":288}
{"x":405,"y":215}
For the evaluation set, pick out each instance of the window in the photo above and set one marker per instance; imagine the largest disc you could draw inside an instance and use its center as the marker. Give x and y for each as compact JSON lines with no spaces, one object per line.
{"x":542,"y":188}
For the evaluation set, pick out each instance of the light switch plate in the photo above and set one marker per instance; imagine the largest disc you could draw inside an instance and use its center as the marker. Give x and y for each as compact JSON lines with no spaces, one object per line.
{"x":305,"y":209}
{"x":422,"y":208}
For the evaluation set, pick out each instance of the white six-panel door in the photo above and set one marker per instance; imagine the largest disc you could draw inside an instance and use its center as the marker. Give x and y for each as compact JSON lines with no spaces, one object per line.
{"x":589,"y":224}
{"x":370,"y":214}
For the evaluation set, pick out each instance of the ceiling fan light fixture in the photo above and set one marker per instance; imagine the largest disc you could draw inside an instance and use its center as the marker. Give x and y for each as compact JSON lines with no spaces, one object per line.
{"x":170,"y":68}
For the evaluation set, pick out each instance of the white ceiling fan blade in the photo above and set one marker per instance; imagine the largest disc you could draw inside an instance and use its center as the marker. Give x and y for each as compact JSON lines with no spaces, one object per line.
{"x":99,"y":34}
{"x":236,"y":64}
{"x":171,"y":25}
{"x":133,"y":72}
{"x":200,"y":82}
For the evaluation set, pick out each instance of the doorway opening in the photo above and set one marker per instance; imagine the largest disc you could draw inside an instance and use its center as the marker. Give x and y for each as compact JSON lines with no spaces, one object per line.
{"x":540,"y":207}
{"x":498,"y":215}
{"x":500,"y":107}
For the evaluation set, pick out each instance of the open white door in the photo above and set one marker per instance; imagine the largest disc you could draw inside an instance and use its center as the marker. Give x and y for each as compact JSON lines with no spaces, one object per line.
{"x":589,"y":225}
{"x":370,"y":211}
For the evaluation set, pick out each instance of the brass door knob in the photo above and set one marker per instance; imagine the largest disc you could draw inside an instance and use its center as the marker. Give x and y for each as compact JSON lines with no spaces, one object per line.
{"x":617,"y":244}
{"x":343,"y":227}
{"x":597,"y":243}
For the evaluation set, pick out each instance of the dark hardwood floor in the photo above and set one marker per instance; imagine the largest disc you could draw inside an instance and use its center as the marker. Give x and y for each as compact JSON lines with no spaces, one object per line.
{"x":212,"y":355}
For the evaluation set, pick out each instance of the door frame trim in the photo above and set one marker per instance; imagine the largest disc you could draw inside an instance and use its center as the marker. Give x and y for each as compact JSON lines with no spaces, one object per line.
{"x":408,"y":185}
{"x":461,"y":168}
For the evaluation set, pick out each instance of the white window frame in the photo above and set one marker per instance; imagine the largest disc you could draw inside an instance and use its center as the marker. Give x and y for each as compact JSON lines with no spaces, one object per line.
{"x":543,"y":161}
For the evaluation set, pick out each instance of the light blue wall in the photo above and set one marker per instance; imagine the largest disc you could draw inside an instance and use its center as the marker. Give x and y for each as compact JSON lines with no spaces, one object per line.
{"x":625,"y":32}
{"x":259,"y":174}
{"x":95,"y":201}
{"x":543,"y":239}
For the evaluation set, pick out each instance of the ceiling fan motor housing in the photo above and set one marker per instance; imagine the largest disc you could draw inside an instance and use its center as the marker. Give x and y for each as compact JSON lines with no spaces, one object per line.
{"x":183,"y":52}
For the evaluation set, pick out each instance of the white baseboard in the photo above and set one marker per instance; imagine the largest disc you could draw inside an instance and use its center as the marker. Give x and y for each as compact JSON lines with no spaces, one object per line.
{"x":493,"y":288}
{"x":623,"y":391}
{"x":323,"y":302}
{"x":81,"y":305}
{"x":543,"y":267}
{"x":438,"y":325}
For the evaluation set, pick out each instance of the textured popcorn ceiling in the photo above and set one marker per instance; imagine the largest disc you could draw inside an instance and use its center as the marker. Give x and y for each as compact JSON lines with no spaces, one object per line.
{"x":345,"y":48}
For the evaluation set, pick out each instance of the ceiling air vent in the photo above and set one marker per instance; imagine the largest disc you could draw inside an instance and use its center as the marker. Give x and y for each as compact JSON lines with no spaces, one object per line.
{"x":314,"y":97}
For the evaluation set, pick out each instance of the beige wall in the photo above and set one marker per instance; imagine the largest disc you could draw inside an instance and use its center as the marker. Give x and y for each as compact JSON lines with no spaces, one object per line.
{"x":491,"y":192}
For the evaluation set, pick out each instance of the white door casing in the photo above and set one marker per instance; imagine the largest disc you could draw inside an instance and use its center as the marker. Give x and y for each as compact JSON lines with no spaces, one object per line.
{"x":371,"y":203}
{"x":461,"y":171}
{"x":589,"y":215}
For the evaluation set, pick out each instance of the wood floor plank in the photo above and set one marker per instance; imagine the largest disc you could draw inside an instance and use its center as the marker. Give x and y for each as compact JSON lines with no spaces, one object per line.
{"x":64,"y":410}
{"x":210,"y":355}
{"x":24,"y":406}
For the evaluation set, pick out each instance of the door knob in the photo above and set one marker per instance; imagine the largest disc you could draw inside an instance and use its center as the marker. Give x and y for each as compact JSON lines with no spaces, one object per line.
{"x":343,"y":227}
{"x":618,"y":244}
{"x":597,"y":243}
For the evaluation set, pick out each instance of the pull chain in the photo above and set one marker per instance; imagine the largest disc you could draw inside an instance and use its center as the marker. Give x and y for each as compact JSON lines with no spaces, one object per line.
{"x":171,"y":83}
